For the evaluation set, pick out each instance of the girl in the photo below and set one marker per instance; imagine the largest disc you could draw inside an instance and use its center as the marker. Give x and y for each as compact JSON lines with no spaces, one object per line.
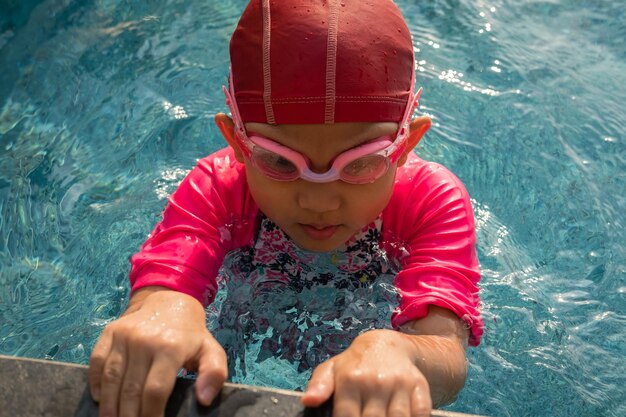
{"x":321,"y":95}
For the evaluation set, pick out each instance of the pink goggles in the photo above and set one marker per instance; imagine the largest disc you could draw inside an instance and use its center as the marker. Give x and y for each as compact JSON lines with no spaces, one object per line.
{"x":360,"y":165}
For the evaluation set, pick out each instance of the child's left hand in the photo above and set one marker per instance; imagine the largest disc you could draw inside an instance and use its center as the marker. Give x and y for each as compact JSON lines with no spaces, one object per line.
{"x":387,"y":373}
{"x":375,"y":376}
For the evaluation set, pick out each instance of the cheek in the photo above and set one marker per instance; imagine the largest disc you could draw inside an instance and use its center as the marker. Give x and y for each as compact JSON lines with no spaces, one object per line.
{"x":271,"y":196}
{"x":368,"y":201}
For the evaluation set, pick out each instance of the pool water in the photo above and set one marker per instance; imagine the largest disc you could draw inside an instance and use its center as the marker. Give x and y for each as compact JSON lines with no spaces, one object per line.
{"x":106,"y":104}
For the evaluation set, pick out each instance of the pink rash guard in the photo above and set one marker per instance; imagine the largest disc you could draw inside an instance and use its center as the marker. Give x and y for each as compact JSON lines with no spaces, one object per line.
{"x":428,"y":227}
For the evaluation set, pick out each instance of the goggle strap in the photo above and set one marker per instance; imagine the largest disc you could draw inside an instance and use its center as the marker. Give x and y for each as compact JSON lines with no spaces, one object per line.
{"x":231,"y":102}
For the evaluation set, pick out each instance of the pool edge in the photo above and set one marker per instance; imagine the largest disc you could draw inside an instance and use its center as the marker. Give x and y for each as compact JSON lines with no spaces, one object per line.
{"x":35,"y":387}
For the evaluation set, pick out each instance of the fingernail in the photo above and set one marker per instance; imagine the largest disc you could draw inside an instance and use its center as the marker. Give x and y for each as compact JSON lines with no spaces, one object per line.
{"x":95,"y":393}
{"x":207,"y":395}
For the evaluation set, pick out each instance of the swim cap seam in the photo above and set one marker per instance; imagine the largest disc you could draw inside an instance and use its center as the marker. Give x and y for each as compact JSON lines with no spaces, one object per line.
{"x":348,"y":99}
{"x":331,"y":62}
{"x":267,"y":72}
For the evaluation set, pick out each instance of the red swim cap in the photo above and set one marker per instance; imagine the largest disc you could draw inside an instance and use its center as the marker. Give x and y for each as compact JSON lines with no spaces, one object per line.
{"x":322,"y":61}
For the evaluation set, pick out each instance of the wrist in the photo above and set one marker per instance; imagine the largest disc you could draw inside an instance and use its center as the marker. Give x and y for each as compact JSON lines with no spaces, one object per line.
{"x":442,"y":360}
{"x":160,"y":298}
{"x":390,"y":339}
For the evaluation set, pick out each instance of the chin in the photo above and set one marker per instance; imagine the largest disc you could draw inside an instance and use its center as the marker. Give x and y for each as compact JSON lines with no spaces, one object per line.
{"x":305,"y":242}
{"x":318,"y":245}
{"x":319,"y":248}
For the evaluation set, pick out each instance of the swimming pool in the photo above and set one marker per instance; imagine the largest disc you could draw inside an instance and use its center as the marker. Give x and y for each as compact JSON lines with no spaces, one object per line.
{"x":106,"y":104}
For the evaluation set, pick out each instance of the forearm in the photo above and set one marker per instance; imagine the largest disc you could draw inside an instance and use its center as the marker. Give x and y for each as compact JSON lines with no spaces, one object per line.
{"x":163,"y":299}
{"x":139,"y":296}
{"x":442,"y":361}
{"x":439,"y":342}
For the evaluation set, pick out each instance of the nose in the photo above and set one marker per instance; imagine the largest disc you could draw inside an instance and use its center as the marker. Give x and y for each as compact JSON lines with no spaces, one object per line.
{"x":319,"y":197}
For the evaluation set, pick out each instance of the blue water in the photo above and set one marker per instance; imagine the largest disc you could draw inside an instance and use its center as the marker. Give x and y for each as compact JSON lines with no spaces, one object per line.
{"x":106,"y":104}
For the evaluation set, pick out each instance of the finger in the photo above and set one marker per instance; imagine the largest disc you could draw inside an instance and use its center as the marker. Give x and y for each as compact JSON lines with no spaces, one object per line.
{"x":400,"y":404}
{"x":134,"y":380}
{"x":321,"y":385}
{"x":159,"y":385}
{"x":212,"y":371}
{"x":347,"y":401}
{"x":421,"y":403}
{"x":98,"y":358}
{"x":375,"y":405}
{"x":112,"y":377}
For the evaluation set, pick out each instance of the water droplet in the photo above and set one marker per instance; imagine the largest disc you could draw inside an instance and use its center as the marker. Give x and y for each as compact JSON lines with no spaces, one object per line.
{"x":225,"y":235}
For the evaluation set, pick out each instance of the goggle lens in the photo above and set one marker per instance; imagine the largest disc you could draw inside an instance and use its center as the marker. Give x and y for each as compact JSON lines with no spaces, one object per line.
{"x":365,"y":170}
{"x":274,"y":165}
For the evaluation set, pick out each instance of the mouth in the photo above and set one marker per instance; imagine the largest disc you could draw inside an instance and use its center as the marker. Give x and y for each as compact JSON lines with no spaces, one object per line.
{"x":319,"y":231}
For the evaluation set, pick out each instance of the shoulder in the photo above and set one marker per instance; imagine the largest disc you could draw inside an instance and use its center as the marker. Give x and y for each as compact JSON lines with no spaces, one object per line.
{"x":216,"y":192}
{"x":220,"y":167}
{"x":218,"y":177}
{"x":424,"y":193}
{"x":421,"y":181}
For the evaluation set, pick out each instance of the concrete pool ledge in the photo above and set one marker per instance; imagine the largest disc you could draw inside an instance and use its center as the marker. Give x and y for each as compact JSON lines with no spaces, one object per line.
{"x":31,"y":387}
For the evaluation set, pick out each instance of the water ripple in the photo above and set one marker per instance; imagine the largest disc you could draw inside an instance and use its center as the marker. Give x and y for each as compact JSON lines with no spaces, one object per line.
{"x":106,"y":105}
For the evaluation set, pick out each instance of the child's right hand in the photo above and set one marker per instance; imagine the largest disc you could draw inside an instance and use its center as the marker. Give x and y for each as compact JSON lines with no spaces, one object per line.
{"x":134,"y":364}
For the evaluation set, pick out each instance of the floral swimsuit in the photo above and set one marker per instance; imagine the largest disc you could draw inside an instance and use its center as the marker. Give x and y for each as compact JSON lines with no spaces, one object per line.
{"x":276,"y":258}
{"x":277,"y":300}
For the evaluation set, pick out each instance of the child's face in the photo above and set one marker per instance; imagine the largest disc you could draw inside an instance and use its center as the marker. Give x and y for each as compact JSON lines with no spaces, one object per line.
{"x":320,"y":217}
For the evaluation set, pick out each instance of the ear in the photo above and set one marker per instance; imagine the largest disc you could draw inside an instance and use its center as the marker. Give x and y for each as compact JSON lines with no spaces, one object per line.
{"x":227,"y":127}
{"x":418,"y":128}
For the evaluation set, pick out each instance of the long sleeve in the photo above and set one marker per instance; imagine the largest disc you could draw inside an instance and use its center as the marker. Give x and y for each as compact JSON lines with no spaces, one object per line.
{"x":429,"y":227}
{"x":210,"y":214}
